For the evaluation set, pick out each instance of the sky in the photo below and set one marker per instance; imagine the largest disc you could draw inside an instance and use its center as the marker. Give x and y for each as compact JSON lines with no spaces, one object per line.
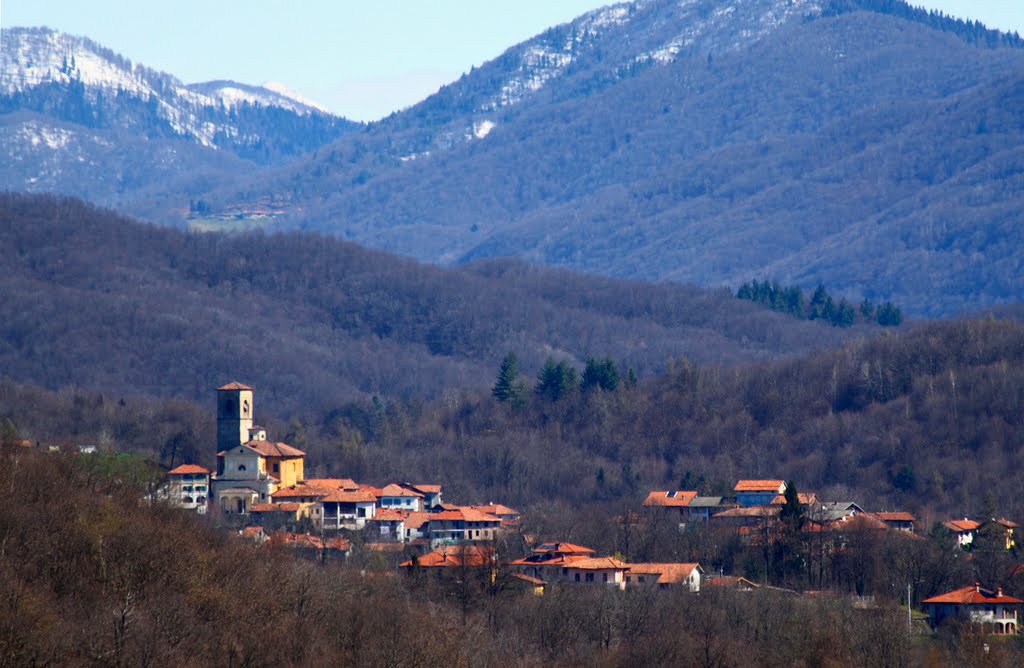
{"x":362,"y":59}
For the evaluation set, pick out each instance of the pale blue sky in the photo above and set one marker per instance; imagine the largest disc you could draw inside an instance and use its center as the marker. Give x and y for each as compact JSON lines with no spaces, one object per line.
{"x":360,"y":59}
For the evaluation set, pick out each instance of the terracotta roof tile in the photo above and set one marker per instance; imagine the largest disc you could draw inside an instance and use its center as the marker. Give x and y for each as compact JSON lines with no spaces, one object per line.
{"x":670,"y":499}
{"x":188,"y":468}
{"x":346,"y":496}
{"x":562,"y":548}
{"x":667,"y":573}
{"x":415,"y":520}
{"x":271,"y":449}
{"x":759,"y":486}
{"x":454,"y":555}
{"x":973,"y":596}
{"x":234,"y":385}
{"x":398,"y":490}
{"x":896,"y":516}
{"x":597,"y":564}
{"x":274,"y":507}
{"x":961,"y":525}
{"x":388,"y":515}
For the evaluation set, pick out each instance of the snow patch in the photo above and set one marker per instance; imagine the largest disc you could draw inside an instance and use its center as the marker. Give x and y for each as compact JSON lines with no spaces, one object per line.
{"x":483,"y":128}
{"x":284,"y":91}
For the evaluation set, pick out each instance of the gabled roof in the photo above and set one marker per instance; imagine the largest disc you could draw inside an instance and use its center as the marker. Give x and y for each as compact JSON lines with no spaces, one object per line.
{"x":349,"y":496}
{"x":597,"y":564}
{"x":776,"y":486}
{"x":425,"y":489}
{"x":669,"y":499}
{"x":271,"y":449}
{"x":188,"y":469}
{"x":960,"y":526}
{"x":415,"y":520}
{"x":465,"y":514}
{"x":274,"y":507}
{"x":398,"y":490}
{"x":234,"y":385}
{"x":305,"y":540}
{"x":387,"y":515}
{"x":562,"y":548}
{"x":667,"y":573}
{"x":974,"y":596}
{"x":706,"y":502}
{"x":496,"y":509}
{"x":801,"y":498}
{"x":737,"y":581}
{"x":454,"y":555}
{"x":896,"y":516}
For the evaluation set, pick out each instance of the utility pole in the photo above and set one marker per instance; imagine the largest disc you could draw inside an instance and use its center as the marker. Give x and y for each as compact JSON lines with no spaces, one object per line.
{"x":910,"y":619}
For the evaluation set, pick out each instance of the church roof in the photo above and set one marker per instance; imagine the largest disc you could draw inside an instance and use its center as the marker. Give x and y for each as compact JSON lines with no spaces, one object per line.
{"x":188,"y":468}
{"x":234,"y":385}
{"x":271,"y":449}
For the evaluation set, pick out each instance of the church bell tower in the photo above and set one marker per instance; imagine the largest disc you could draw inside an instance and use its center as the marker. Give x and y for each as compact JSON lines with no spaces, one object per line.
{"x":234,"y":415}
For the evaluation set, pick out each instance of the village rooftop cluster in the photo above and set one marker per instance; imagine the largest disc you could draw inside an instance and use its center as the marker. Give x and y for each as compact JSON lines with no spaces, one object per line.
{"x":265,"y":481}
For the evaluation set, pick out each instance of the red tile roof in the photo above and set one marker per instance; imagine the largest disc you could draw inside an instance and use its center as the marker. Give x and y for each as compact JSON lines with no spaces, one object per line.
{"x":598,"y":564}
{"x":388,"y":515}
{"x":274,"y":507}
{"x":974,"y":596}
{"x":960,"y":526}
{"x":347,"y":496}
{"x":730,"y":581}
{"x":271,"y":449}
{"x":562,"y":548}
{"x":667,"y":573}
{"x":496,"y":509}
{"x":670,"y":499}
{"x":454,"y":555}
{"x":234,"y":385}
{"x":398,"y":490}
{"x":896,"y":516}
{"x":802,"y":499}
{"x":749,"y":511}
{"x":426,"y":489}
{"x":188,"y":468}
{"x":305,"y":540}
{"x":465,"y":514}
{"x":759,"y":486}
{"x":415,"y":520}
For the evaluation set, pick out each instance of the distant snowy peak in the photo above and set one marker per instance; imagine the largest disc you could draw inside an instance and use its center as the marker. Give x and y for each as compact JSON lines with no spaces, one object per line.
{"x":34,"y":56}
{"x":232,"y":93}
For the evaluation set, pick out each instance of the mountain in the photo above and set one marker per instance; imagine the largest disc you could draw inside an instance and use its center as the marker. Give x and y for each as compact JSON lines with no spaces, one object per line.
{"x":865,"y":144}
{"x":97,"y":301}
{"x":80,"y":119}
{"x":870,"y":146}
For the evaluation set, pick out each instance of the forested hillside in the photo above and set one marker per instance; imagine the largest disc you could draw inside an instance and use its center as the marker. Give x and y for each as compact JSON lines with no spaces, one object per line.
{"x":91,"y":576}
{"x":95,"y":301}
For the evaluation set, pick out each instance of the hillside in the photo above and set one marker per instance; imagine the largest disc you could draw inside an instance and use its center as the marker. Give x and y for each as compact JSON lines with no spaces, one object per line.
{"x":708,"y":142}
{"x":96,"y":301}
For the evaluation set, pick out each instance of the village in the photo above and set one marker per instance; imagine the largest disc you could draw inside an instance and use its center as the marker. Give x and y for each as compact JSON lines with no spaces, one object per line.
{"x":261,"y":484}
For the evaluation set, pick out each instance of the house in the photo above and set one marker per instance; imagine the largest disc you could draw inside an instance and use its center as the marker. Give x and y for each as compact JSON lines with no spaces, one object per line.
{"x":255,"y":534}
{"x":701,"y":508}
{"x":508,"y":516}
{"x":665,"y":575}
{"x":311,"y":546}
{"x":431,"y":494}
{"x":188,"y":487}
{"x":963,"y":530}
{"x":996,"y":612}
{"x":416,"y":526}
{"x":549,"y":561}
{"x":388,"y":524}
{"x":804,"y":499}
{"x":401,"y":498}
{"x":461,"y":525}
{"x":598,"y":570}
{"x":833,"y":511}
{"x":1001,"y":529}
{"x":345,"y":509}
{"x":758,"y":492}
{"x":747,"y":516}
{"x":674,"y":502}
{"x":898,"y":520}
{"x":453,"y":556}
{"x":734,"y":582}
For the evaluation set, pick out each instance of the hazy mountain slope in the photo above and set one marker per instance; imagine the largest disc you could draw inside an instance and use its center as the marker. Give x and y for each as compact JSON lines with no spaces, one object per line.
{"x":96,"y":301}
{"x":750,"y":153}
{"x":82,"y":120}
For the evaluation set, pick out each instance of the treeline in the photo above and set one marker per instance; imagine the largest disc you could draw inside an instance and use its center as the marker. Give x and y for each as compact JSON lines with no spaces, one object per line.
{"x":312,"y":321}
{"x":820,"y":306}
{"x":92,"y":575}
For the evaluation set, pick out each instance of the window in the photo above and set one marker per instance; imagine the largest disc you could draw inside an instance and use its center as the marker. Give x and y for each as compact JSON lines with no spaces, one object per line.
{"x":245,"y":407}
{"x":590,"y":577}
{"x":277,"y":468}
{"x":241,"y":467}
{"x":200,"y":488}
{"x":200,"y":499}
{"x":604,"y":576}
{"x":641,"y":578}
{"x":565,"y":571}
{"x":187,"y":499}
{"x":577,"y":577}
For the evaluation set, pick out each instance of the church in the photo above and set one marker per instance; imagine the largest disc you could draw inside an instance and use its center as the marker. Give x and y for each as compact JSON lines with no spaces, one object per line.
{"x":249,"y":467}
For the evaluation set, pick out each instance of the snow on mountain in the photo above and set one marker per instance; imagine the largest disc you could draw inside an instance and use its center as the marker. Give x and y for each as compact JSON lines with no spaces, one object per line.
{"x":33,"y":57}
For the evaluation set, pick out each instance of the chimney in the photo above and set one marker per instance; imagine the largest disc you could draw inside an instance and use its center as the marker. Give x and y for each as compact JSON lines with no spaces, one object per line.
{"x":999,"y":592}
{"x":977,"y":586}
